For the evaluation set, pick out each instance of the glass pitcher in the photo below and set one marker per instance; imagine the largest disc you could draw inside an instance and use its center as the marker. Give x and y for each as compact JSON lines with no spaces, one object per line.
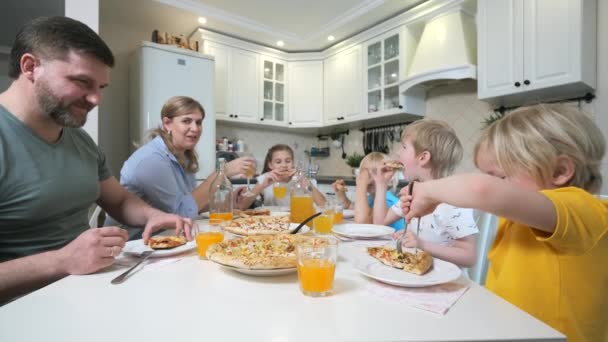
{"x":301,"y":197}
{"x":220,"y":196}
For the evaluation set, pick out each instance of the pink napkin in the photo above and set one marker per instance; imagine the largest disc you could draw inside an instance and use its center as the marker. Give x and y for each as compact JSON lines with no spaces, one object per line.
{"x":438,"y":298}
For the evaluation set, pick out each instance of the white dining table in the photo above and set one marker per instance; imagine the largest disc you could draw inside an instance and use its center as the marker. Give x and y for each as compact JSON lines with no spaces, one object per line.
{"x":184,"y":298}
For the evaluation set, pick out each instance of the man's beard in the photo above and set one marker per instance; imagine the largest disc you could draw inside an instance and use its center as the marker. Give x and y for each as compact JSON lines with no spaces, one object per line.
{"x":58,"y":111}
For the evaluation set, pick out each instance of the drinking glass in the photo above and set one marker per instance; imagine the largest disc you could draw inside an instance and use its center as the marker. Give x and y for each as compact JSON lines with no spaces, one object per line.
{"x":324,"y":222}
{"x":249,"y":173}
{"x":205,"y":236}
{"x":279,"y":191}
{"x":316,"y":265}
{"x":338,"y":213}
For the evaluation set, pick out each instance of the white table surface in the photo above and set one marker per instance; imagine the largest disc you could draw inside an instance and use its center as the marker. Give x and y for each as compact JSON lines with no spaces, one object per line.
{"x":197,"y":300}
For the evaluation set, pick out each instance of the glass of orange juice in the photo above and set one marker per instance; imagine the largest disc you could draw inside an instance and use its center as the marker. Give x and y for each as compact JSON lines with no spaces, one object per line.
{"x":279,"y":191}
{"x":316,"y":265}
{"x":205,"y":236}
{"x":338,"y":213}
{"x":324,"y":222}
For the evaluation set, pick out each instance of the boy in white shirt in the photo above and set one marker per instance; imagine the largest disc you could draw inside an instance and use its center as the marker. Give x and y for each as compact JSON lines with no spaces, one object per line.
{"x":430,"y":150}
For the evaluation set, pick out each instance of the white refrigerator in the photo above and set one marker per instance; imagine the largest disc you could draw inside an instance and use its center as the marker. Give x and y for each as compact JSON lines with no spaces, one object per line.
{"x":158,"y":72}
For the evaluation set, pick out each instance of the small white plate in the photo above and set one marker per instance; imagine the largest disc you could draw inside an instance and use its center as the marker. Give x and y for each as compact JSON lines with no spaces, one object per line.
{"x":362,"y":231}
{"x":442,"y":272}
{"x":136,"y":247}
{"x":348,"y":213}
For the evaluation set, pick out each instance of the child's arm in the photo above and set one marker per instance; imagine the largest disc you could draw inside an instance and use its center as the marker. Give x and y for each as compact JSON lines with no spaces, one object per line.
{"x":484,"y":192}
{"x":363,"y":211}
{"x":340,"y":190}
{"x":245,"y":201}
{"x":381,"y":176}
{"x":317,"y":196}
{"x":461,"y":251}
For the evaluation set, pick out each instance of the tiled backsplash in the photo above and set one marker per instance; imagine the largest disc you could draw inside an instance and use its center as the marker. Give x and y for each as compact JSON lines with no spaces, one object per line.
{"x":457,"y":104}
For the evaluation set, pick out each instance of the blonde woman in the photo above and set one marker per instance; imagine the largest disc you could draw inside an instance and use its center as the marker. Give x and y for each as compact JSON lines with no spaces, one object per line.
{"x":162,"y":171}
{"x":541,"y":167}
{"x":430,"y":150}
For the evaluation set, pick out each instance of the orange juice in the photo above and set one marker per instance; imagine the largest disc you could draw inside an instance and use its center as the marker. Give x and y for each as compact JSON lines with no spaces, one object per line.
{"x":217,"y":218}
{"x":316,"y":275}
{"x":250,"y":172}
{"x":301,"y":209}
{"x":323,"y":223}
{"x":338,"y":216}
{"x":206,"y":239}
{"x":279,"y":191}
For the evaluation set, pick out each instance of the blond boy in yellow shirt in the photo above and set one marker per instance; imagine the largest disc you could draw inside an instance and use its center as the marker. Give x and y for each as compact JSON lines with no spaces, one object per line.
{"x":541,"y":167}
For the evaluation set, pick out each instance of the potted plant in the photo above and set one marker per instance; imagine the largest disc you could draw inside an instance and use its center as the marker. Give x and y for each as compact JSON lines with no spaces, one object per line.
{"x":354,"y":161}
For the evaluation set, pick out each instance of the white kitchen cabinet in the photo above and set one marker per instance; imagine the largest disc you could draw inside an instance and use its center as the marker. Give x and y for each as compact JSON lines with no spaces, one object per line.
{"x":343,"y":91}
{"x":540,"y":47}
{"x":383,"y":68}
{"x":305,"y":100}
{"x":273,"y":86}
{"x":237,"y":85}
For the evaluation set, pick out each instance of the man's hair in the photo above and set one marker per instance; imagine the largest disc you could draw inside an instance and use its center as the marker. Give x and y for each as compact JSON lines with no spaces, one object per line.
{"x":54,"y":38}
{"x":440,"y":140}
{"x":530,"y":140}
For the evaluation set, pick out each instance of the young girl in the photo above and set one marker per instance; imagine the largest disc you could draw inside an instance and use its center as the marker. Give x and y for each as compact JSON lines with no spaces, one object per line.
{"x":365,"y":190}
{"x":541,"y":166}
{"x":430,"y":149}
{"x":278,"y":167}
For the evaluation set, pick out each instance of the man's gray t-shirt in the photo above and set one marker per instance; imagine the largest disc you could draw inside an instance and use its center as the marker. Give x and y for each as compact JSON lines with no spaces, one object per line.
{"x":46,"y":188}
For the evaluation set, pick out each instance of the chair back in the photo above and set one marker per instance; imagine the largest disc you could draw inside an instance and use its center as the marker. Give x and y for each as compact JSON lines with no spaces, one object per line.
{"x":487,"y":224}
{"x":94,"y":217}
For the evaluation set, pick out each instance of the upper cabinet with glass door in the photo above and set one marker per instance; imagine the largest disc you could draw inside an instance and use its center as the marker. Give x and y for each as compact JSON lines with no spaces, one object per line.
{"x":383,"y":71}
{"x":273,"y":91}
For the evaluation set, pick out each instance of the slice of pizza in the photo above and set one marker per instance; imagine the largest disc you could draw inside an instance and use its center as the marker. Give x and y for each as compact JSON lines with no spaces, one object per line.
{"x":166,"y":242}
{"x":416,"y":263}
{"x":394,"y":164}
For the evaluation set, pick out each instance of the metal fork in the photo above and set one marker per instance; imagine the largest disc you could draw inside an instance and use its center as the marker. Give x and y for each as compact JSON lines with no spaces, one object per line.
{"x":399,"y":248}
{"x":121,"y":278}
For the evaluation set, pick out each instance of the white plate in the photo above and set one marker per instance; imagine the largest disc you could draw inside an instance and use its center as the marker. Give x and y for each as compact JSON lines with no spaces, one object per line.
{"x":442,"y":272}
{"x":348,"y":213}
{"x":136,"y":247}
{"x":261,"y":272}
{"x":362,"y":231}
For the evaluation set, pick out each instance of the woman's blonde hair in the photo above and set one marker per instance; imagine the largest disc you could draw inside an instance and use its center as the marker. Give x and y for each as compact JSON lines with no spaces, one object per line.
{"x":530,"y":139}
{"x":174,"y":107}
{"x":440,"y":140}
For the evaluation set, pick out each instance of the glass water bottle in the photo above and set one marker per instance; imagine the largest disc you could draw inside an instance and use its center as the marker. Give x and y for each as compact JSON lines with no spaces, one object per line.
{"x":301,"y":197}
{"x":220,"y":196}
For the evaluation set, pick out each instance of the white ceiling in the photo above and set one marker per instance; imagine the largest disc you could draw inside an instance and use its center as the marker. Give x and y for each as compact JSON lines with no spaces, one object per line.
{"x":302,"y":24}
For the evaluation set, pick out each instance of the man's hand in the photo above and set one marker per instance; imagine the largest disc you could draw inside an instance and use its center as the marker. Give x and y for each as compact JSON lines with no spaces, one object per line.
{"x":92,"y":250}
{"x":182,"y":225}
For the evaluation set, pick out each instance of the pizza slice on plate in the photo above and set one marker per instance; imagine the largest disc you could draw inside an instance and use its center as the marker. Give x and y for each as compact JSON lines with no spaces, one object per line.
{"x":166,"y":242}
{"x":417,"y":263}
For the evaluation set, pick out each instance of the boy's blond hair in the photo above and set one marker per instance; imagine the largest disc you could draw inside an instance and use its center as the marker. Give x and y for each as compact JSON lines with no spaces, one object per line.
{"x":530,"y":139}
{"x":372,"y":160}
{"x":440,"y":140}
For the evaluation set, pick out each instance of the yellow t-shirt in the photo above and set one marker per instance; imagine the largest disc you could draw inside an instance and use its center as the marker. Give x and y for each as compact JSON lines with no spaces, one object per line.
{"x":561,"y":279}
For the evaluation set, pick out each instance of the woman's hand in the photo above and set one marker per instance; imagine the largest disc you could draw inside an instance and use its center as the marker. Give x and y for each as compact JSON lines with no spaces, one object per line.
{"x":239,"y":166}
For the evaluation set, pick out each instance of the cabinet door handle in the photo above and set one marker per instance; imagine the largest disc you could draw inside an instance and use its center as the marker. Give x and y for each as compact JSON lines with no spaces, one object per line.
{"x":400,"y":107}
{"x":231,"y":115}
{"x":517,"y":84}
{"x":236,"y":116}
{"x":527,"y":82}
{"x":290,"y":122}
{"x":261,"y":119}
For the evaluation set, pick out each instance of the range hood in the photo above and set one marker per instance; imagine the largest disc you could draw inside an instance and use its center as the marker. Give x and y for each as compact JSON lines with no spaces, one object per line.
{"x":446,"y":51}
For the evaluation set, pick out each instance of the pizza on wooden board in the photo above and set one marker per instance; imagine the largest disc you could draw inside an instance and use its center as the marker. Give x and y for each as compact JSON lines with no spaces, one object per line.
{"x":257,"y":225}
{"x":166,"y":242}
{"x":418,"y":263}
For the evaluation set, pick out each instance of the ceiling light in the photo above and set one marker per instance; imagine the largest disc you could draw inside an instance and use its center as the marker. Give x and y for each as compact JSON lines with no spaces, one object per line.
{"x":280,"y":43}
{"x":331,"y":38}
{"x":202,"y":20}
{"x":393,"y":75}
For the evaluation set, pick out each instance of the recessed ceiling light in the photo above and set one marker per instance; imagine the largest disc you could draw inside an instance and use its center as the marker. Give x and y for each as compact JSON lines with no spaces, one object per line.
{"x":331,"y":38}
{"x":202,"y":20}
{"x":280,"y":43}
{"x":393,"y":75}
